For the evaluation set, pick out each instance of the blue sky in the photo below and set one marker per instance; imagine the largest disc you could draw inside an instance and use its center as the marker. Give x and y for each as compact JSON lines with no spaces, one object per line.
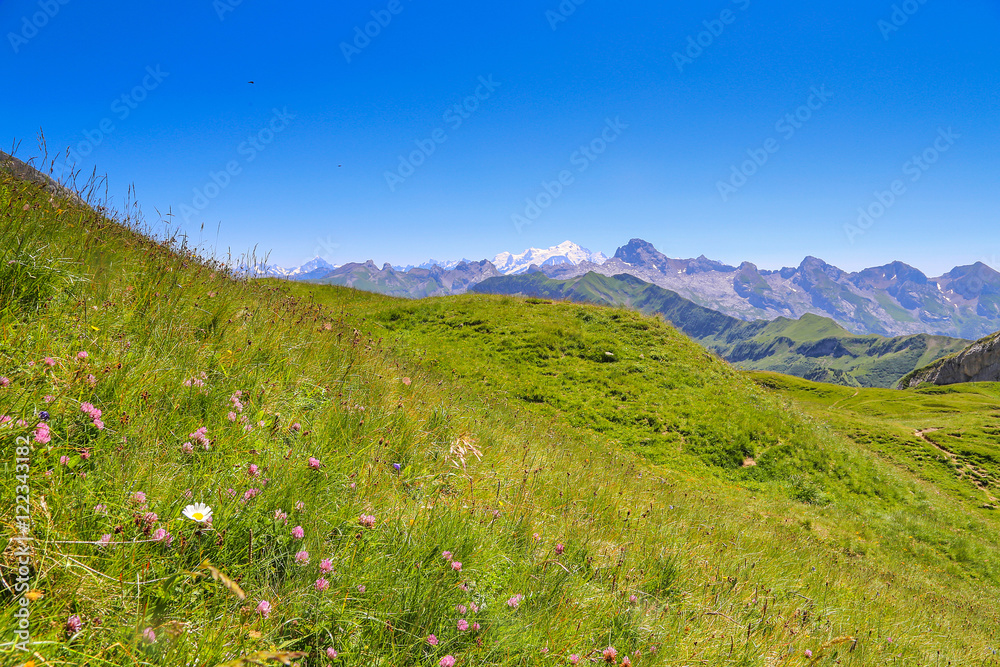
{"x":665,"y":99}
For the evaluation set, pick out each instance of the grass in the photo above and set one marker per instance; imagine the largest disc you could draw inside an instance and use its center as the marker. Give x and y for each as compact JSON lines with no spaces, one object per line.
{"x":811,"y":347}
{"x":592,"y":500}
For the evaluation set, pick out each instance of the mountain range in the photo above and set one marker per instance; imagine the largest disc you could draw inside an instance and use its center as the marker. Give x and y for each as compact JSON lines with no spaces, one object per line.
{"x":891,"y":300}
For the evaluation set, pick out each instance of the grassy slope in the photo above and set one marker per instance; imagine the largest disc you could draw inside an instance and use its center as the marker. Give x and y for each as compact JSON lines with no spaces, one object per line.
{"x":725,"y":567}
{"x":549,"y":356}
{"x":812,"y":347}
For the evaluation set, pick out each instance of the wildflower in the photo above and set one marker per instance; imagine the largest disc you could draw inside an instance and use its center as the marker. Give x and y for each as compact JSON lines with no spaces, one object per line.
{"x":231,"y":416}
{"x":139,"y":497}
{"x":633,"y":599}
{"x":160,"y":535}
{"x":406,"y":381}
{"x":362,"y":588}
{"x":331,"y":653}
{"x":447,"y":555}
{"x":545,"y":650}
{"x":63,"y":460}
{"x":299,"y":505}
{"x":809,"y":653}
{"x":321,"y":584}
{"x":464,"y":586}
{"x":73,"y":624}
{"x":280,"y":516}
{"x":296,"y":427}
{"x":326,"y":565}
{"x":432,"y":640}
{"x":463,"y":625}
{"x":461,"y":609}
{"x":150,"y":518}
{"x":314,"y":463}
{"x":250,"y":493}
{"x":253,"y":470}
{"x":574,"y":659}
{"x":188,"y":494}
{"x":537,"y":536}
{"x":50,"y":362}
{"x":44,"y":415}
{"x":99,"y":424}
{"x":397,"y":467}
{"x":456,"y":565}
{"x":49,"y":398}
{"x":626,"y":662}
{"x":298,"y":532}
{"x":264,"y":608}
{"x":85,"y":454}
{"x":231,"y":492}
{"x":476,"y":626}
{"x":447,"y":661}
{"x":610,"y":654}
{"x":187,"y":448}
{"x":474,"y":607}
{"x":367,"y":520}
{"x":149,"y":636}
{"x":515,"y":601}
{"x":82,"y":355}
{"x":105,"y":540}
{"x":91,"y":380}
{"x":302,"y":558}
{"x":4,"y":382}
{"x":198,"y":512}
{"x":200,"y":436}
{"x":560,"y":549}
{"x":100,"y":508}
{"x":42,"y":434}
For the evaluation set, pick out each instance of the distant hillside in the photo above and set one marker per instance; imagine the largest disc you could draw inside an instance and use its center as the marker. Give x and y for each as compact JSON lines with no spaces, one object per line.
{"x":812,"y":347}
{"x":979,"y":362}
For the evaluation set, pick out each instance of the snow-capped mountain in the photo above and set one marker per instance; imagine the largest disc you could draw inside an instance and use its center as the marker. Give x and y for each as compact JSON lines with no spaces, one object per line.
{"x":431,"y":263}
{"x":317,"y":266}
{"x":566,"y":252}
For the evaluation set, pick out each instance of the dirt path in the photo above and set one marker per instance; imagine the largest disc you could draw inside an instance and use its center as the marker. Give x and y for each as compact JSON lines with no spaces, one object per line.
{"x":836,"y":403}
{"x":974,"y":472}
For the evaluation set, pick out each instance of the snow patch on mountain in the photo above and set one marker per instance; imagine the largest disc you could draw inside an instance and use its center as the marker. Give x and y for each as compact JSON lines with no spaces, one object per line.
{"x":566,"y":252}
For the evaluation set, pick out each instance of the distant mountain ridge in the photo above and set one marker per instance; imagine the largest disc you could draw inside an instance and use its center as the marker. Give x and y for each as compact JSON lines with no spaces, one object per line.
{"x":891,"y":300}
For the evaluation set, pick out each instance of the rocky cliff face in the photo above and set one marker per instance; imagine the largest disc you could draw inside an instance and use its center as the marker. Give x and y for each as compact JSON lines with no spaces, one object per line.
{"x":980,"y":362}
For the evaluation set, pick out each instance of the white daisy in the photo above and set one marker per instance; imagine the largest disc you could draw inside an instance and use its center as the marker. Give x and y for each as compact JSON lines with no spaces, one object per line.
{"x":198,"y":512}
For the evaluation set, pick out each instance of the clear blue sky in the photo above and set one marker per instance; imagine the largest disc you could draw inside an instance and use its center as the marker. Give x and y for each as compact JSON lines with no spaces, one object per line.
{"x":554,"y":85}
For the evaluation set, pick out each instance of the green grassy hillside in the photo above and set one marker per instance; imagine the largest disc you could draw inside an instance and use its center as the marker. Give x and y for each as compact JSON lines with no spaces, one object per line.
{"x":812,"y":347}
{"x":469,"y":481}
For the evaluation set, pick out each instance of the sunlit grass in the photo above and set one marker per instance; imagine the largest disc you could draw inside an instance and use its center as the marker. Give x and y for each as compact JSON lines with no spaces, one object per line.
{"x":376,"y":447}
